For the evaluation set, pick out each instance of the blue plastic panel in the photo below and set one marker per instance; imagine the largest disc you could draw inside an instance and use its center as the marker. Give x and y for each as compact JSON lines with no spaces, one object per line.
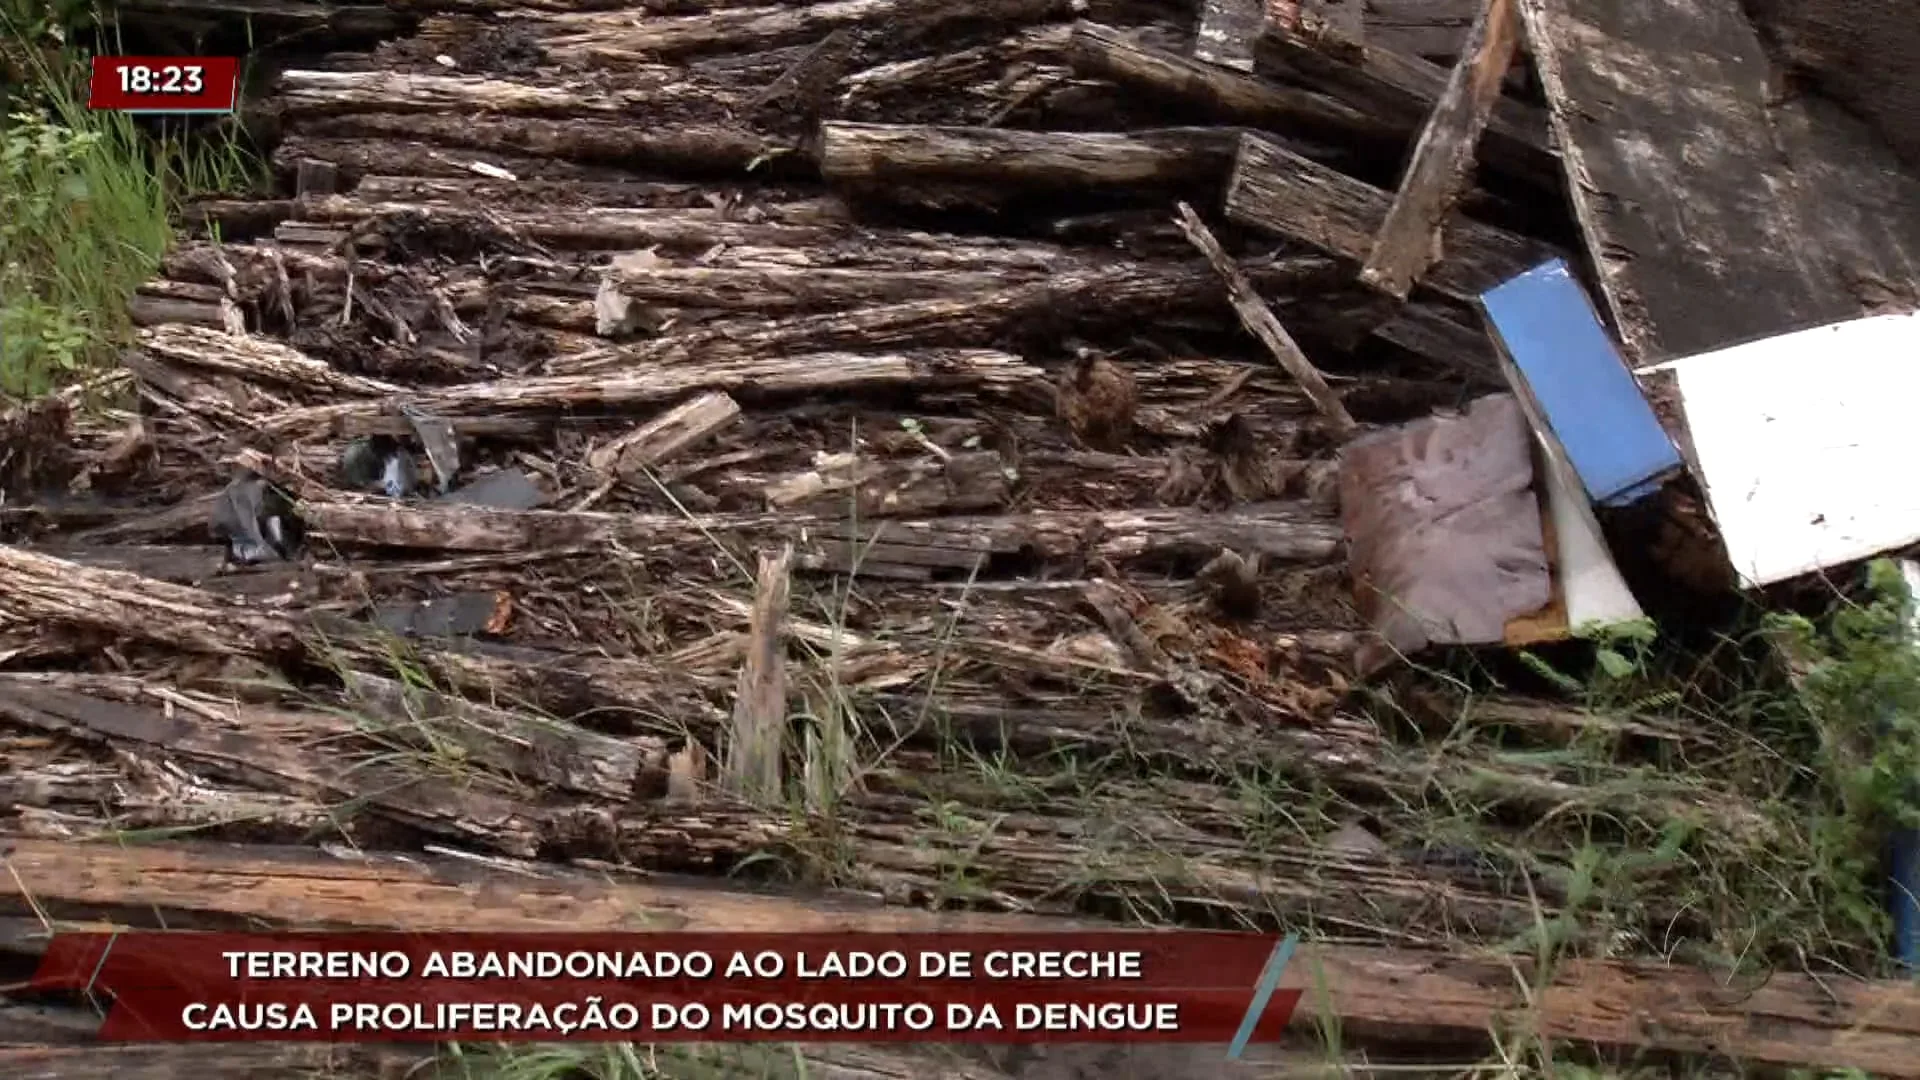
{"x":1584,"y":390}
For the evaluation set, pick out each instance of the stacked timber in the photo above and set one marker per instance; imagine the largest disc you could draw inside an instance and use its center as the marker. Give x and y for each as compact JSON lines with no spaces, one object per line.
{"x":880,"y":445}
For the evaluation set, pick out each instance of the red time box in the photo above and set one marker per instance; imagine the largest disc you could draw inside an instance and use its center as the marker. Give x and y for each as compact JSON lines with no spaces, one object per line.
{"x":175,"y":84}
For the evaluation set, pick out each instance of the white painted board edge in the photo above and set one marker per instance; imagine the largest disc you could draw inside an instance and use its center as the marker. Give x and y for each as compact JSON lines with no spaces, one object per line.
{"x":1803,"y":440}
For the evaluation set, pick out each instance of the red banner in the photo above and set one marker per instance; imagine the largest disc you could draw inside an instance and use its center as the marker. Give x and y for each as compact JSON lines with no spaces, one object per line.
{"x":1094,"y":987}
{"x":164,"y":83}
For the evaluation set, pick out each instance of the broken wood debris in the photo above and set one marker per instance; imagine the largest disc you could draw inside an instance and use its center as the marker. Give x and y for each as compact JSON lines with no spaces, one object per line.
{"x":1409,"y":239}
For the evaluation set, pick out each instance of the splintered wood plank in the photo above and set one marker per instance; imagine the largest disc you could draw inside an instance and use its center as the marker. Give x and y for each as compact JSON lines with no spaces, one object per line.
{"x":1834,"y":1022}
{"x":1680,"y":187}
{"x":1409,"y":241}
{"x":1228,"y":29}
{"x":1278,"y":191}
{"x":1395,"y":87}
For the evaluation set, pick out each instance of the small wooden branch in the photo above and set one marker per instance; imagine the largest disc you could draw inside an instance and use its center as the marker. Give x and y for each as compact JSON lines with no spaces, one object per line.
{"x":1409,"y":241}
{"x":758,"y":736}
{"x":1261,"y":323}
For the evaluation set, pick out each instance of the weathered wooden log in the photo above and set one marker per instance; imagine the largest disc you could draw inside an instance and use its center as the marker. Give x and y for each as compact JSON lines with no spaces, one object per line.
{"x":308,"y":17}
{"x":1432,"y":29}
{"x":1281,"y":192}
{"x":980,"y":370}
{"x":656,"y":91}
{"x":1260,"y":322}
{"x":1104,"y":52}
{"x":958,"y":483}
{"x":548,"y":194}
{"x":1383,"y":83}
{"x":390,"y":713}
{"x":871,"y":155}
{"x":265,"y":750}
{"x":255,"y":359}
{"x":777,"y":289}
{"x":608,"y":229}
{"x":148,"y":309}
{"x":1015,"y":860}
{"x":876,"y":92}
{"x":1284,"y":532}
{"x":357,"y":157}
{"x":1792,"y":1020}
{"x":1103,"y":294}
{"x":699,"y":147}
{"x":616,"y":38}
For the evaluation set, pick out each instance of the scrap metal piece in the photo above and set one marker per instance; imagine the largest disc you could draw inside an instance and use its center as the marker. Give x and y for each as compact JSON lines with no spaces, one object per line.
{"x":256,"y":521}
{"x":443,"y":449}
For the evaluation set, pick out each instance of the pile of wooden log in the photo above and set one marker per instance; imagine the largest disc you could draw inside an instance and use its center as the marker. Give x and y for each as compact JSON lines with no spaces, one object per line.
{"x":883,"y":444}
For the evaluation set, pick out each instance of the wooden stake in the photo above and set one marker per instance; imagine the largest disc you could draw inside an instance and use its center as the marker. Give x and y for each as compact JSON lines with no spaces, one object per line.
{"x":760,"y":708}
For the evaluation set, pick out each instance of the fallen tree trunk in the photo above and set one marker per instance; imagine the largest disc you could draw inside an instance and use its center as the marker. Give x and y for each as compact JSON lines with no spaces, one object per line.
{"x":1788,"y":1020}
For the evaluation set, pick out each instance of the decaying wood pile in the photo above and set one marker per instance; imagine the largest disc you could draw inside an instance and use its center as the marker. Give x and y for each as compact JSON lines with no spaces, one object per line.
{"x":831,"y":454}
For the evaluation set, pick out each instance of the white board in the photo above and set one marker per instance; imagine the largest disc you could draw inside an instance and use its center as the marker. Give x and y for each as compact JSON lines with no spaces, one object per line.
{"x":1595,"y":593}
{"x":1804,"y":442}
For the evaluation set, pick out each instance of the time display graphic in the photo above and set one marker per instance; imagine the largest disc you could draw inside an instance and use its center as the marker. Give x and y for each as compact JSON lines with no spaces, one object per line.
{"x":173,"y":84}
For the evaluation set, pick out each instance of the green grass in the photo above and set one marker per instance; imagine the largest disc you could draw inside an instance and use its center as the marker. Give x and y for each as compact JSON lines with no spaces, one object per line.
{"x":85,"y":205}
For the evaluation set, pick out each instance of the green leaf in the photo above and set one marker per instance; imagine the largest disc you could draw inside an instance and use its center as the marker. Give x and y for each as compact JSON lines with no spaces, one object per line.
{"x":1613,"y":664}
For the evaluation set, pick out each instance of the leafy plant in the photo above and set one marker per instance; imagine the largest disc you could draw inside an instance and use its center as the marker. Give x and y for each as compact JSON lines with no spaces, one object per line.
{"x":1862,"y":685}
{"x":85,"y":202}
